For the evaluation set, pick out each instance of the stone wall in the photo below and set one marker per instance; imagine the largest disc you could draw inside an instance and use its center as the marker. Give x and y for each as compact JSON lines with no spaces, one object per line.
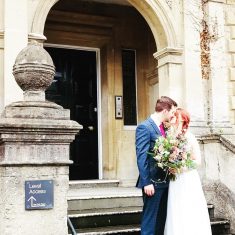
{"x":230,"y":37}
{"x":217,"y":173}
{"x":15,"y":219}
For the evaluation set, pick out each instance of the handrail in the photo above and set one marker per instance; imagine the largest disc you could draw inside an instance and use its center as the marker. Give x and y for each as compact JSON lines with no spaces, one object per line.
{"x":226,"y":140}
{"x":71,"y":226}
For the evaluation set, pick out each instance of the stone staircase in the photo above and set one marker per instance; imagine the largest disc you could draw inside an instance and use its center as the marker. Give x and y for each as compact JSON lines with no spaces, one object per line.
{"x":101,"y":207}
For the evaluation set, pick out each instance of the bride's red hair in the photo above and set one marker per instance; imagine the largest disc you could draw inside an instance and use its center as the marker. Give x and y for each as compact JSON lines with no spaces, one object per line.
{"x":185,"y":118}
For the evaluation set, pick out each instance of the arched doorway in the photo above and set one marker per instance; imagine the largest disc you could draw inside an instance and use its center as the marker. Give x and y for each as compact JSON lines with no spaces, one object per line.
{"x":123,"y":46}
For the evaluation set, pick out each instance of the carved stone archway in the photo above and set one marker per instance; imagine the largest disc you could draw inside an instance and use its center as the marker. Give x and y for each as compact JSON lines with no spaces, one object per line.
{"x":155,"y":12}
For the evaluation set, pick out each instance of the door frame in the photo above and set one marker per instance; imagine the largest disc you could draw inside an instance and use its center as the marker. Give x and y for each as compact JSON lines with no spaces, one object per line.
{"x":98,"y":80}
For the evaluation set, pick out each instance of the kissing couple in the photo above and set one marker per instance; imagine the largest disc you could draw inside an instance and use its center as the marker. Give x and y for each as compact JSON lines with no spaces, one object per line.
{"x":169,"y":207}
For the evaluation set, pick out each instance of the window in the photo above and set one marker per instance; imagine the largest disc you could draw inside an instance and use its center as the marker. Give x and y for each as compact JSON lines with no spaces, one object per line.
{"x":129,"y":86}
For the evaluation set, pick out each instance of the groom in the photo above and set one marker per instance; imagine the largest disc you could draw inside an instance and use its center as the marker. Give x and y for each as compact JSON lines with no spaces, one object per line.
{"x":153,"y":180}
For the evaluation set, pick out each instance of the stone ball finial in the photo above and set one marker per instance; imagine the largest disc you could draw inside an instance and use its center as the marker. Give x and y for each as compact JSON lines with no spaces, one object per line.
{"x":34,"y":69}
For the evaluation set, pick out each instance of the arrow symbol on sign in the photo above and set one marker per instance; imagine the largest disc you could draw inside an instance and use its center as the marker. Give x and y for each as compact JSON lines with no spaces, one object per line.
{"x":32,"y":199}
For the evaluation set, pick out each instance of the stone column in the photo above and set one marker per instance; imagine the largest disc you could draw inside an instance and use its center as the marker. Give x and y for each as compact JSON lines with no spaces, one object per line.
{"x":170,"y":73}
{"x":218,"y":114}
{"x":193,"y":85}
{"x":34,"y":149}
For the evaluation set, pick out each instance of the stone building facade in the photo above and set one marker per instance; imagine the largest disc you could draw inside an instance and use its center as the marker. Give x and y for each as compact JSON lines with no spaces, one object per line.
{"x":133,"y":51}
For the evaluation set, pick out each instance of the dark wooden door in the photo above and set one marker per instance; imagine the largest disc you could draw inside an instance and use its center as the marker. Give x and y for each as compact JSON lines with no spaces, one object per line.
{"x":75,"y":88}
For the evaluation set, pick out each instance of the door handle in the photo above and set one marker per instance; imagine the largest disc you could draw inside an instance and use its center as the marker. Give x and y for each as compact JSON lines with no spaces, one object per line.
{"x":91,"y":128}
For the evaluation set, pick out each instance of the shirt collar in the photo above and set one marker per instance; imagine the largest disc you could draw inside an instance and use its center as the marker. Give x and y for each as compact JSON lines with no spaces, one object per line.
{"x":155,"y":119}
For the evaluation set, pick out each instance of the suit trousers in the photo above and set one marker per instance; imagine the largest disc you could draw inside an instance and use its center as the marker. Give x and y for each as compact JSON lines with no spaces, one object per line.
{"x":154,"y":212}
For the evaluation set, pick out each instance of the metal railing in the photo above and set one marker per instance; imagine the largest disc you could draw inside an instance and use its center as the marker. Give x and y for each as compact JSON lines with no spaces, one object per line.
{"x":71,"y":226}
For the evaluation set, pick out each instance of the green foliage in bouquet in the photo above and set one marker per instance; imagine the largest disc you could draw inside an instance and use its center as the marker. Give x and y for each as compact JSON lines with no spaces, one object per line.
{"x":172,"y":154}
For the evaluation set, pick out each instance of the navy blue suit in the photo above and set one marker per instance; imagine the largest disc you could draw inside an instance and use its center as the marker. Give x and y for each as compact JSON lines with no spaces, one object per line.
{"x":155,"y":207}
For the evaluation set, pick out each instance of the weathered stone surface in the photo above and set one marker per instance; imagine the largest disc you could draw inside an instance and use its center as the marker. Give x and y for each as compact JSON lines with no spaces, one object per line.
{"x":229,"y":142}
{"x":34,"y":145}
{"x":230,"y":17}
{"x":34,"y":69}
{"x":14,"y":218}
{"x":219,"y":195}
{"x":36,"y":109}
{"x":217,"y":173}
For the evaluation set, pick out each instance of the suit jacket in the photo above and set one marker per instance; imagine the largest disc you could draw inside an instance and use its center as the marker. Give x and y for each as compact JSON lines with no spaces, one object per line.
{"x":146,"y":134}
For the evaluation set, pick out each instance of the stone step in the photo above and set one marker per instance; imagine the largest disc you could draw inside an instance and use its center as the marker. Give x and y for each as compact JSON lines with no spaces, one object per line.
{"x":117,"y":230}
{"x":100,"y":212}
{"x":106,"y":210}
{"x":108,"y":197}
{"x":78,"y":184}
{"x":111,"y":217}
{"x":211,"y":209}
{"x":113,"y":197}
{"x":105,"y":217}
{"x":102,"y":198}
{"x":134,"y":229}
{"x":112,"y":211}
{"x":220,"y":226}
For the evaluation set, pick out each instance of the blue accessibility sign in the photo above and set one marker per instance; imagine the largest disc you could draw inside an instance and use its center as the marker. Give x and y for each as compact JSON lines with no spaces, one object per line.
{"x":39,"y":194}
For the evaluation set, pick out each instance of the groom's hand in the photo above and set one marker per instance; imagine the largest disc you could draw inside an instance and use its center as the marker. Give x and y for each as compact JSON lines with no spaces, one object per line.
{"x":149,"y":190}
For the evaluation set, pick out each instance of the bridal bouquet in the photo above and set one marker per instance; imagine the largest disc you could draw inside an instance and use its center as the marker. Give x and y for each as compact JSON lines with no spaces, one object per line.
{"x":172,"y":154}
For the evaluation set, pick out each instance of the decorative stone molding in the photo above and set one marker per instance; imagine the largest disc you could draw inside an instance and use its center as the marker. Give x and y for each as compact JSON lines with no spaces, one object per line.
{"x":152,"y":76}
{"x":40,"y":16}
{"x":202,"y":128}
{"x":155,"y":12}
{"x":168,"y":51}
{"x":169,"y":55}
{"x":227,"y":141}
{"x":36,"y":37}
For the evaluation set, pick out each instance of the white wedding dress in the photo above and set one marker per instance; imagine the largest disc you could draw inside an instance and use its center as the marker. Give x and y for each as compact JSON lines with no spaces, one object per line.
{"x":187,"y":212}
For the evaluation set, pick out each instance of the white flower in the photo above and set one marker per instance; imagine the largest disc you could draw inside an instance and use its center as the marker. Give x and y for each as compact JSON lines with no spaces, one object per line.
{"x":158,"y":157}
{"x":160,"y":165}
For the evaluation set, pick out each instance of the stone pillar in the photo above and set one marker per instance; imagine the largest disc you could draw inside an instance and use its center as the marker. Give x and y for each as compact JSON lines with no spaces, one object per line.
{"x":230,"y":25}
{"x":1,"y":54}
{"x":170,"y":73}
{"x":35,"y":135}
{"x":193,"y":85}
{"x":218,"y":114}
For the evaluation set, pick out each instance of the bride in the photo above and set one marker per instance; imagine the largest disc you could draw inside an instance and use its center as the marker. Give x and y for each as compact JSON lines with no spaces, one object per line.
{"x":187,"y":212}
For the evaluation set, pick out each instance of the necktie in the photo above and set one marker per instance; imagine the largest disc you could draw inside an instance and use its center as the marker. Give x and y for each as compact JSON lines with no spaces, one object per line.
{"x":162,"y":130}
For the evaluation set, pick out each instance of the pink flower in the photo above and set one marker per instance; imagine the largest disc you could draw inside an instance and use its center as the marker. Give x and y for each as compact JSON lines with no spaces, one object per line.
{"x":161,"y":148}
{"x":172,"y":157}
{"x":184,"y":155}
{"x":175,"y":150}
